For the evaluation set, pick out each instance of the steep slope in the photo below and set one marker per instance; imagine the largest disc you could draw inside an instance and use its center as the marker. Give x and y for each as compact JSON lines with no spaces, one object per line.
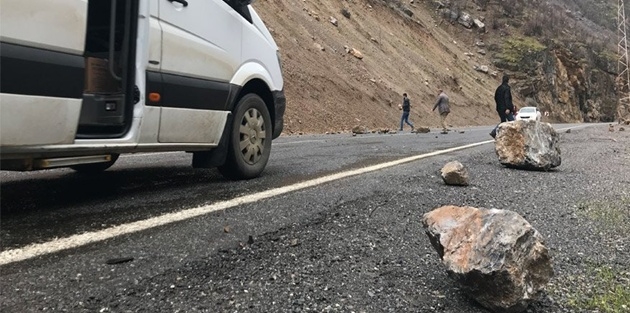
{"x":331,"y":90}
{"x":560,"y":60}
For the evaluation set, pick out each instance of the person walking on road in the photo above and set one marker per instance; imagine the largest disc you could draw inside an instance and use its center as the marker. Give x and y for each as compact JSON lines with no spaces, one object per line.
{"x":406,"y":107}
{"x":503,"y":99}
{"x":443,"y":108}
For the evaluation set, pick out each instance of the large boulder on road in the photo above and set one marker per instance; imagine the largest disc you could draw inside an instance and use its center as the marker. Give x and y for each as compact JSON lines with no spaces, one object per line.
{"x":530,"y":145}
{"x":495,"y":256}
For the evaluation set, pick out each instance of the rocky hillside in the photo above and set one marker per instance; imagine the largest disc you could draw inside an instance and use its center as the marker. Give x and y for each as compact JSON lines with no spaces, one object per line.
{"x":347,"y":63}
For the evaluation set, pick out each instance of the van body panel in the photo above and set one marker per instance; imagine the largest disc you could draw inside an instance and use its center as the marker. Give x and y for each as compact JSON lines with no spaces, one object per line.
{"x":39,"y":72}
{"x":154,"y":61}
{"x":191,"y":44}
{"x":150,"y":125}
{"x":175,"y":125}
{"x":187,"y":92}
{"x":50,"y":120}
{"x":91,"y":148}
{"x":256,"y":35}
{"x":252,"y":70}
{"x":60,"y":26}
{"x":64,"y":79}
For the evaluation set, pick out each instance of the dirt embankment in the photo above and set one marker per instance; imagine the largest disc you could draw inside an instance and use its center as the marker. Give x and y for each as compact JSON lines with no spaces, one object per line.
{"x":329,"y":89}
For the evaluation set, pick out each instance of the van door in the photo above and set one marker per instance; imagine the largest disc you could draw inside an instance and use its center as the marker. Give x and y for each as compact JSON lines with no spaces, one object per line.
{"x":110,"y":53}
{"x":201,"y":51}
{"x":42,"y":70}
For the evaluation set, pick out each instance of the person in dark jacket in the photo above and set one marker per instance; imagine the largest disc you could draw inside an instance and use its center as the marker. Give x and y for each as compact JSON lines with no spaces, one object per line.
{"x":504,"y":105}
{"x":406,"y":107}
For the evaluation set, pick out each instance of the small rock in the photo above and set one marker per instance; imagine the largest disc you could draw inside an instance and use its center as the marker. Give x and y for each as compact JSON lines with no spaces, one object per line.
{"x":455,"y":174}
{"x":611,"y":128}
{"x":356,"y":53}
{"x":319,"y":47}
{"x":407,"y":11}
{"x":479,"y":24}
{"x":345,"y":13}
{"x":226,"y":229}
{"x":359,"y":130}
{"x":421,"y":130}
{"x":334,"y":21}
{"x":119,"y":260}
{"x":568,"y":131}
{"x":621,"y":129}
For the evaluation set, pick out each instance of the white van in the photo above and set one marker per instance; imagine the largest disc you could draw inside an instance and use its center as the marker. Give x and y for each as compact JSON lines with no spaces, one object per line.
{"x":83,"y":81}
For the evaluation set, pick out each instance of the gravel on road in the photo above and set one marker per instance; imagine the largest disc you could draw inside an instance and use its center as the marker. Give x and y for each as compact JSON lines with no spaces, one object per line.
{"x":370,"y":254}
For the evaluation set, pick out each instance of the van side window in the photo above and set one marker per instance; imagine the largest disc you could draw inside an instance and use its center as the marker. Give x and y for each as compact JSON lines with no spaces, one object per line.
{"x":242,"y":9}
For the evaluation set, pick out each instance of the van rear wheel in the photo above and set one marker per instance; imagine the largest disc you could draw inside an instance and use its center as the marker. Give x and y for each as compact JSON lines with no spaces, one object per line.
{"x":250,"y":139}
{"x":95,"y":167}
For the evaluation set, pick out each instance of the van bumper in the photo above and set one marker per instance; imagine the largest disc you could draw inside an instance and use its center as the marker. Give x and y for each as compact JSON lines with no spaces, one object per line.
{"x":280,"y":104}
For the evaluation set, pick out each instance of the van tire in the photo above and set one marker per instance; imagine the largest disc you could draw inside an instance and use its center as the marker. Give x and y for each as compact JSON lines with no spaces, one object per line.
{"x":95,"y":167}
{"x":249,"y":144}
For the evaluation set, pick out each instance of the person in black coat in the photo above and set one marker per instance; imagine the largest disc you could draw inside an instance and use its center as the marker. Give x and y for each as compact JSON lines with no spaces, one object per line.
{"x":504,"y":104}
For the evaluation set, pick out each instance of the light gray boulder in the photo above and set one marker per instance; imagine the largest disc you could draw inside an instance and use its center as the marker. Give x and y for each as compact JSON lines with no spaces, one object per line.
{"x":495,"y":256}
{"x":530,"y":145}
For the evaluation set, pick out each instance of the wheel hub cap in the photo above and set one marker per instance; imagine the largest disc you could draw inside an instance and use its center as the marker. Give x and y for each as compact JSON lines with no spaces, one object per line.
{"x":252,"y":136}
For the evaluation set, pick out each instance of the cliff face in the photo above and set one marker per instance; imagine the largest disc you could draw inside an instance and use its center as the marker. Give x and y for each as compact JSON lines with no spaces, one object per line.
{"x":569,"y":87}
{"x":347,"y":63}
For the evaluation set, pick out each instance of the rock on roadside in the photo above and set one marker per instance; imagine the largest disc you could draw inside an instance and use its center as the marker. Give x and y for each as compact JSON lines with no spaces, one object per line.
{"x":454,"y":173}
{"x":421,"y":130}
{"x":496,"y":256}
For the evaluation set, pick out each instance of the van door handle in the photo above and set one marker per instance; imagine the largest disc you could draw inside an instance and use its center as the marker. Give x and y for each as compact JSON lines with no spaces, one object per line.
{"x":183,"y":2}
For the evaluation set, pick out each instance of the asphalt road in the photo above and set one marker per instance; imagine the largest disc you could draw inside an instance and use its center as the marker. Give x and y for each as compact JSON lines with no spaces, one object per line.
{"x":42,"y":207}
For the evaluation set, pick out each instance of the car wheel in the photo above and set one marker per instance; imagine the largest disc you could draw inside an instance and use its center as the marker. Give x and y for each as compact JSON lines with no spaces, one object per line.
{"x":250,"y":140}
{"x":95,"y":167}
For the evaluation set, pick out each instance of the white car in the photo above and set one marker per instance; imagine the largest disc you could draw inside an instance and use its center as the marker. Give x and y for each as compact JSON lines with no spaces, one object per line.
{"x":528,"y":113}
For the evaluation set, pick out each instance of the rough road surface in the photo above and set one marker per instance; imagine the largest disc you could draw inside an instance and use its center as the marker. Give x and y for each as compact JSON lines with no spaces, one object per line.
{"x":370,"y":253}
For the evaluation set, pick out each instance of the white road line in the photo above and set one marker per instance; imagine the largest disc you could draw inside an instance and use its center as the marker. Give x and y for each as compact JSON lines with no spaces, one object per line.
{"x":56,"y":245}
{"x":294,"y":142}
